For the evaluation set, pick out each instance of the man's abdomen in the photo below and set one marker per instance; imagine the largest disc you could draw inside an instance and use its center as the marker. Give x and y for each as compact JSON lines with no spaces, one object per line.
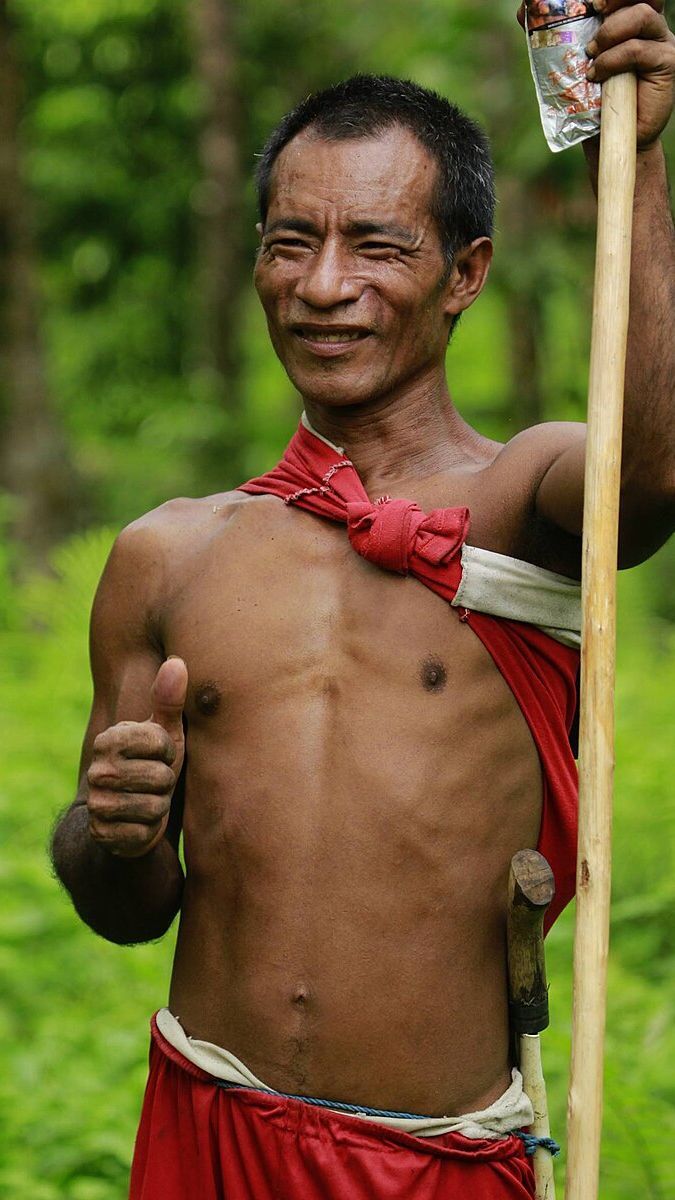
{"x":350,"y":817}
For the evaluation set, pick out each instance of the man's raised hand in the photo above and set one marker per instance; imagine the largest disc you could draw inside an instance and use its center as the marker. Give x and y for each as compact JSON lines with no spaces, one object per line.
{"x":635,"y":37}
{"x":135,"y":768}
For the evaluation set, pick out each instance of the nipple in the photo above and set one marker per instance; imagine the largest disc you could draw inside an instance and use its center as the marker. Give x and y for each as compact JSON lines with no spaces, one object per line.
{"x":433,"y":675}
{"x":207,"y":699}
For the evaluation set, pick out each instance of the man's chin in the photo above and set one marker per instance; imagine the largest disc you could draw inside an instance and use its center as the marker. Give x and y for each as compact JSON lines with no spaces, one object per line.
{"x":335,"y":389}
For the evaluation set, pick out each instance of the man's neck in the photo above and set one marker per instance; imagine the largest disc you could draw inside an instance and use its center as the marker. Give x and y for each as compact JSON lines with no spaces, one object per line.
{"x":396,"y":440}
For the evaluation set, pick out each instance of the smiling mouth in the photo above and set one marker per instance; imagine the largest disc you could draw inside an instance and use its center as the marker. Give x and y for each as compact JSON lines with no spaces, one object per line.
{"x":330,"y":337}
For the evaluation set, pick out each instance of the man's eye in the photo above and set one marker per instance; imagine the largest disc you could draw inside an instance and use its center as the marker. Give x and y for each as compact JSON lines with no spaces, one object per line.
{"x":381,"y":249}
{"x":286,"y":244}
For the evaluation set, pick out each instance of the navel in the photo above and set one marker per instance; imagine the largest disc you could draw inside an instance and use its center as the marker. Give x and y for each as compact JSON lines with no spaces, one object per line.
{"x":207,"y":699}
{"x":433,"y":675}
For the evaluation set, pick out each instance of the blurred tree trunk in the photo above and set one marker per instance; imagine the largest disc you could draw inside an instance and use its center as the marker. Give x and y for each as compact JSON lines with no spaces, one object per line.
{"x":35,"y":465}
{"x":525,"y":323}
{"x":519,"y":279}
{"x":222,"y":239}
{"x":517,"y":270}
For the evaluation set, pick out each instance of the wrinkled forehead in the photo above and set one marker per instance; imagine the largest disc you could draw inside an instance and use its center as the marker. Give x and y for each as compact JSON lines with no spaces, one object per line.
{"x":387,"y":175}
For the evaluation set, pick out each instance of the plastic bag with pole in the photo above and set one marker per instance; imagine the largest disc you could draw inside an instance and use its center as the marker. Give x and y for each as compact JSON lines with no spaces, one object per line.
{"x":558,"y":32}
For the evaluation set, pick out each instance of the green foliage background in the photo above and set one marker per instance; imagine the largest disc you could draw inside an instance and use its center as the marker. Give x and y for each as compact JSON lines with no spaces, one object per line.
{"x":111,"y":118}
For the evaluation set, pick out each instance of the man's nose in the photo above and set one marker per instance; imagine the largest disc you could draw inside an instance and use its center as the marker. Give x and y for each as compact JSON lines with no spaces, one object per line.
{"x":328,"y":278}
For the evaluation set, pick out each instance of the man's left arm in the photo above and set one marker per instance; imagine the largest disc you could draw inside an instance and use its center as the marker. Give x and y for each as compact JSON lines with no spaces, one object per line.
{"x":636,"y":37}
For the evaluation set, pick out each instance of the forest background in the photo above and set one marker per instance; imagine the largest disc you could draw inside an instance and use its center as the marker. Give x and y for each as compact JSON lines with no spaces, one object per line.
{"x":136,"y":367}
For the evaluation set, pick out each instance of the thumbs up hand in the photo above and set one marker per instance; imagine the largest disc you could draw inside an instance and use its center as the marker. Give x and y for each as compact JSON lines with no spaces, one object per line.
{"x":135,"y":768}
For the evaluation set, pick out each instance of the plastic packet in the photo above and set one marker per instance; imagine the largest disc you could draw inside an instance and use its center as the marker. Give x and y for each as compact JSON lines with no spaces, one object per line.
{"x":558,"y":32}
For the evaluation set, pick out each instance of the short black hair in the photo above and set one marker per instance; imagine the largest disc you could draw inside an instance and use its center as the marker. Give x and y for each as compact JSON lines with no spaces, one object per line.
{"x":365,"y":106}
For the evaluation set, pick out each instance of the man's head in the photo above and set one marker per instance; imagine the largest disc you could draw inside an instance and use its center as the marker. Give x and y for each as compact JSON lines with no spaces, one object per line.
{"x":367,"y":105}
{"x":381,"y":193}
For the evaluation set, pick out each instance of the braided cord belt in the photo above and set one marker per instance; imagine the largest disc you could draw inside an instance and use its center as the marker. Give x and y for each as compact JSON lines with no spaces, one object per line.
{"x":529,"y":1140}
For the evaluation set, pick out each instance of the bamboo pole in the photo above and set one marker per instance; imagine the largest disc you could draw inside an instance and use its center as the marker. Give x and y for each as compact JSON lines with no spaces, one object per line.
{"x":616,"y":185}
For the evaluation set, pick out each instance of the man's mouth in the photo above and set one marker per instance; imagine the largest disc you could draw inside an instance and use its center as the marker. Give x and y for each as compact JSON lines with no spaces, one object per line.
{"x":318,"y":336}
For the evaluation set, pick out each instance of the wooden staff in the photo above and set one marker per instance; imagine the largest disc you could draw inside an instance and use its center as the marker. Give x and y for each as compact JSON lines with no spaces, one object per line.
{"x":616,"y":185}
{"x":531,"y":889}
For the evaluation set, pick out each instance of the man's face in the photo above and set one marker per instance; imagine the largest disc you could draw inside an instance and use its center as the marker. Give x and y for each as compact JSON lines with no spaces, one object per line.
{"x":350,"y":272}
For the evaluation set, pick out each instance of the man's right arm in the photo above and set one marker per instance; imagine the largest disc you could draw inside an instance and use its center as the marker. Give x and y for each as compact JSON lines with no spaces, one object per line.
{"x":116,"y":849}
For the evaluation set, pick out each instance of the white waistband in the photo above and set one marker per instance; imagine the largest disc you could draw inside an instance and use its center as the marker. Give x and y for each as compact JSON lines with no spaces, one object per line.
{"x":511,"y":1111}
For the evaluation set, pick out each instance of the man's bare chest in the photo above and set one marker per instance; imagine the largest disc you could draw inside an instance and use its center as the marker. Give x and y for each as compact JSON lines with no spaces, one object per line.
{"x":278,"y":607}
{"x":320,"y":678}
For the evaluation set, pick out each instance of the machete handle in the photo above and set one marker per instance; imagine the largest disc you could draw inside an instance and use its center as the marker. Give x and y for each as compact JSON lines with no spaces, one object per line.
{"x":531,"y":889}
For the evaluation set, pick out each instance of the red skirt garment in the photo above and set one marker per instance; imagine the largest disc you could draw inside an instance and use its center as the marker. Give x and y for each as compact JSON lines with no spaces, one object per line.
{"x":197,"y":1141}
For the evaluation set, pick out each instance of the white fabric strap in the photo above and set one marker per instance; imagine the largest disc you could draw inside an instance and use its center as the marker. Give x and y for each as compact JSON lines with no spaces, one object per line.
{"x":511,"y":1111}
{"x":509,"y":587}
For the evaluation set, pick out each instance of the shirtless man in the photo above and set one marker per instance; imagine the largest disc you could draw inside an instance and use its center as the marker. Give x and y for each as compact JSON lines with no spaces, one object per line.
{"x":348,"y":767}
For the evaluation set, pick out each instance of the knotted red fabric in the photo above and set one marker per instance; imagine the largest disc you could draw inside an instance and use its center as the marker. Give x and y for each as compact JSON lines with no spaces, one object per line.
{"x":197,"y":1141}
{"x":396,"y":535}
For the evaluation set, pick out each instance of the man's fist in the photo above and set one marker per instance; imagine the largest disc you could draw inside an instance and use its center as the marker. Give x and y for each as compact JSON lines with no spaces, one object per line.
{"x":635,"y":37}
{"x":135,"y":768}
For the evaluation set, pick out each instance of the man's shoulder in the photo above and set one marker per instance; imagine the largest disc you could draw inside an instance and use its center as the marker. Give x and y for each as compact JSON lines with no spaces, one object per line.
{"x":154,"y":554}
{"x":529,"y":452}
{"x":178,"y":513}
{"x":509,"y":486}
{"x":183,"y":520}
{"x":540,"y":445}
{"x":517,"y":467}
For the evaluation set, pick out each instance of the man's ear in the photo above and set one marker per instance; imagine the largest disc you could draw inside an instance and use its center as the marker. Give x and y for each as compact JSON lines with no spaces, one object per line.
{"x":467,"y":276}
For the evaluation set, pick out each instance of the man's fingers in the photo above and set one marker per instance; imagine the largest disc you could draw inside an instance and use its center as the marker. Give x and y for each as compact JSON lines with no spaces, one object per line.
{"x":640,"y":21}
{"x":635,"y":37}
{"x":126,"y":840}
{"x":127,"y":825}
{"x":113,"y":808}
{"x":136,"y":739}
{"x":612,"y":6}
{"x":145,"y":776}
{"x":642,"y":57}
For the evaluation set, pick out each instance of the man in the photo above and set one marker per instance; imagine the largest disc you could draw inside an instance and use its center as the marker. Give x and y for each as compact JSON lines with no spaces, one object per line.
{"x":349,"y":726}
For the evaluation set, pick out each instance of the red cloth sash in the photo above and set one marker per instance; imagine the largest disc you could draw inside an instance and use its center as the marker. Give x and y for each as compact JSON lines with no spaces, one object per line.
{"x":197,"y":1140}
{"x":397,"y":536}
